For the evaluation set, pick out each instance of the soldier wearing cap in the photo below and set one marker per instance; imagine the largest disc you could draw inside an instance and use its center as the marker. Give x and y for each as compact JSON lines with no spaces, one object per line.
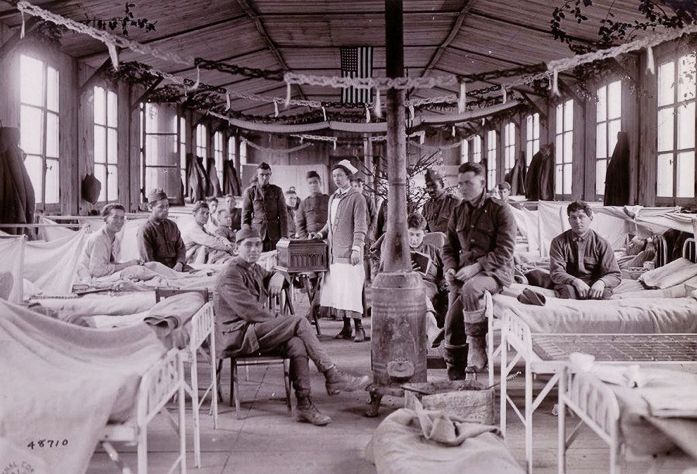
{"x":247,"y":327}
{"x":159,"y":239}
{"x":440,"y":206}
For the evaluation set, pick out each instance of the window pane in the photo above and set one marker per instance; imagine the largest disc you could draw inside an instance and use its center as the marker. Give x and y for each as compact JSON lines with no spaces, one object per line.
{"x":52,"y":145}
{"x":113,"y":183}
{"x":537,"y":126}
{"x":100,"y":174}
{"x":600,"y":172}
{"x":52,"y":91}
{"x":686,"y":81}
{"x":34,"y":165}
{"x":52,"y":181}
{"x":601,"y":141}
{"x":99,"y":106}
{"x":31,"y":81}
{"x":614,"y":128}
{"x":560,"y":118}
{"x":666,"y":75}
{"x":602,"y":105}
{"x":112,"y":109}
{"x":99,"y":144}
{"x":664,"y":175}
{"x":569,"y":115}
{"x":686,"y":126}
{"x":559,"y":149}
{"x":557,"y":179}
{"x":614,"y":97}
{"x":112,"y":146}
{"x":567,"y":178}
{"x":31,"y":130}
{"x":464,"y":151}
{"x":568,"y":147}
{"x":686,"y":175}
{"x":665,"y":129}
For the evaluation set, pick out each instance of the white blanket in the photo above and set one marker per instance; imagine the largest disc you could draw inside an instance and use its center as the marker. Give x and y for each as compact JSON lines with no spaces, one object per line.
{"x":61,"y":384}
{"x":676,"y":272}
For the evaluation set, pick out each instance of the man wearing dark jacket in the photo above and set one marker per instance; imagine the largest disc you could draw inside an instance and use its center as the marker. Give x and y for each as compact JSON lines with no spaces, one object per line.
{"x":440,"y":206}
{"x":247,"y":327}
{"x":264,"y":208}
{"x":477,"y":257}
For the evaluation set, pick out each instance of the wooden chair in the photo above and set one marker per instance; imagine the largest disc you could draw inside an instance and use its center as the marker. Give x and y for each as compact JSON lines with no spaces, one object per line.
{"x":202,"y":329}
{"x":269,"y":358}
{"x":157,"y":386}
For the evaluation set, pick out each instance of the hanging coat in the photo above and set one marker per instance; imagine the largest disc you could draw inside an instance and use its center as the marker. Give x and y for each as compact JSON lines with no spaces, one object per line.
{"x":516,"y":177}
{"x":617,"y":176}
{"x":196,"y":178}
{"x":214,"y":185}
{"x":17,"y":200}
{"x":539,"y":181}
{"x":231,"y":183}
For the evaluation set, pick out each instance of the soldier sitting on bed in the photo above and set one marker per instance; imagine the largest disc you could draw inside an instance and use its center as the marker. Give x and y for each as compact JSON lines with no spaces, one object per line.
{"x":582,"y":265}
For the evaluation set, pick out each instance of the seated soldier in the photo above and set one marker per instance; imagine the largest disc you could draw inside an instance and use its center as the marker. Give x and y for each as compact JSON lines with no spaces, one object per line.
{"x":212,"y":223}
{"x":224,"y":229}
{"x":248,"y":327}
{"x":199,"y":242}
{"x":159,"y":239}
{"x":582,"y":264}
{"x":102,"y":250}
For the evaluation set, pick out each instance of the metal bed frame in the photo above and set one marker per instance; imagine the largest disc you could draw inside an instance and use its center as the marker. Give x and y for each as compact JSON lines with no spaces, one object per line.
{"x":157,"y":386}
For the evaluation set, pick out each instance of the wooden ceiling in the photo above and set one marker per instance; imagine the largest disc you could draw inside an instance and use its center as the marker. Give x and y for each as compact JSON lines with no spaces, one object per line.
{"x":441,"y":37}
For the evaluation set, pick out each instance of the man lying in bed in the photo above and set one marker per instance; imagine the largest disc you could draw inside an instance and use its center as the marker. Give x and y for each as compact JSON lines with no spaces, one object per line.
{"x":102,"y":250}
{"x":582,"y":264}
{"x":248,"y":327}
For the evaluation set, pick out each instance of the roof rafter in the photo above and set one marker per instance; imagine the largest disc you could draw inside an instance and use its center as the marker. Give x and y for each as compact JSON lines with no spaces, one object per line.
{"x":451,"y":36}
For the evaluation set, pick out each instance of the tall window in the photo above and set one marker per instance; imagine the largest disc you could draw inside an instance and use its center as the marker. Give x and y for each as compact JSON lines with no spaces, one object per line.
{"x":609,"y":123}
{"x":202,"y":142}
{"x":532,"y":136}
{"x":38,"y":122}
{"x":106,"y":143}
{"x":509,"y":150}
{"x":218,"y":155}
{"x":231,"y":148}
{"x":490,"y":159}
{"x":243,"y":153}
{"x":564,"y":149}
{"x":477,"y":149}
{"x":160,"y":165}
{"x":182,"y":150}
{"x":464,"y":151}
{"x":675,"y":170}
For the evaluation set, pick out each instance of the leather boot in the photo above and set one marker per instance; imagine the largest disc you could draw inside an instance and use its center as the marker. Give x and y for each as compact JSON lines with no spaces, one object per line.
{"x":338,"y":381}
{"x":307,"y":412}
{"x":476,"y":354}
{"x":346,"y":332}
{"x":455,"y":356}
{"x":360,"y":332}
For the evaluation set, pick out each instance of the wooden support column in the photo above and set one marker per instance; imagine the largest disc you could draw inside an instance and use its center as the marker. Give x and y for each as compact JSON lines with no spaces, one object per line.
{"x":397,"y":256}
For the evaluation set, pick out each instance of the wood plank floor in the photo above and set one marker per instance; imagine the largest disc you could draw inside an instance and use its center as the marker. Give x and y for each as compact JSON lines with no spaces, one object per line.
{"x":266,"y":439}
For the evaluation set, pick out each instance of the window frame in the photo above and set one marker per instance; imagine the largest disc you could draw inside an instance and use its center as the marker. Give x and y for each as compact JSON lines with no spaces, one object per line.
{"x":491,"y":152}
{"x":476,"y":155}
{"x":532,"y":137}
{"x":218,"y":156}
{"x":676,"y":105}
{"x":509,"y":130}
{"x":610,"y":126}
{"x":563,"y":157}
{"x":47,"y":162}
{"x":106,"y":164}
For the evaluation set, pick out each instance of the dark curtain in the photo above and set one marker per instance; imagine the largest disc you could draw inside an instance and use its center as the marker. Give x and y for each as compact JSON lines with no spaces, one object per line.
{"x":231,"y":182}
{"x":617,"y":177}
{"x":539,"y":181}
{"x":17,"y":200}
{"x":516,"y":177}
{"x":213,"y":181}
{"x":196,"y":178}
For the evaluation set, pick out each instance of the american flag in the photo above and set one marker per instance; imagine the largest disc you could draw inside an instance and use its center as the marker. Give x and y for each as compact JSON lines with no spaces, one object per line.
{"x":356,"y":62}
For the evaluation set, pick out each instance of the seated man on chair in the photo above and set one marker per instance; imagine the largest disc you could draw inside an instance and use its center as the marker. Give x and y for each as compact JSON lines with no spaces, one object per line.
{"x":249,"y":327}
{"x":582,"y":264}
{"x":478,"y":257}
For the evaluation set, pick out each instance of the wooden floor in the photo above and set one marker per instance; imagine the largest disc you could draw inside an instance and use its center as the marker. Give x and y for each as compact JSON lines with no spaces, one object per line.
{"x":266,"y":440}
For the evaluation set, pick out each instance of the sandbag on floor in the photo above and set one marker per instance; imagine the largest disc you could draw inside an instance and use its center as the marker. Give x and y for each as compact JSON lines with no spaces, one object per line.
{"x":400,"y":446}
{"x":62,"y":383}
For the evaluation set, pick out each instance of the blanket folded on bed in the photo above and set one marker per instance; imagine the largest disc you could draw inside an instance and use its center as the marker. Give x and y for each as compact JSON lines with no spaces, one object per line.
{"x":407,"y":442}
{"x":674,"y":273}
{"x":169,"y":316}
{"x":62,"y":383}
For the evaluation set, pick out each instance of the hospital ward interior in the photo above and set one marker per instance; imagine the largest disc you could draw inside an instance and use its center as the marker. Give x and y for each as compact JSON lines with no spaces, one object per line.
{"x":322,"y":236}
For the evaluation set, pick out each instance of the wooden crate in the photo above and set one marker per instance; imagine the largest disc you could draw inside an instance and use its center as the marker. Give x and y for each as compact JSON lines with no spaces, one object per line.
{"x":465,"y":400}
{"x":299,"y":256}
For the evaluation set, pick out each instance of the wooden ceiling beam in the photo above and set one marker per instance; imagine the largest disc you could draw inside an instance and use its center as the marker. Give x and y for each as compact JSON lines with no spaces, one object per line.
{"x":464,"y":12}
{"x":10,"y":44}
{"x":528,"y":27}
{"x":45,"y":6}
